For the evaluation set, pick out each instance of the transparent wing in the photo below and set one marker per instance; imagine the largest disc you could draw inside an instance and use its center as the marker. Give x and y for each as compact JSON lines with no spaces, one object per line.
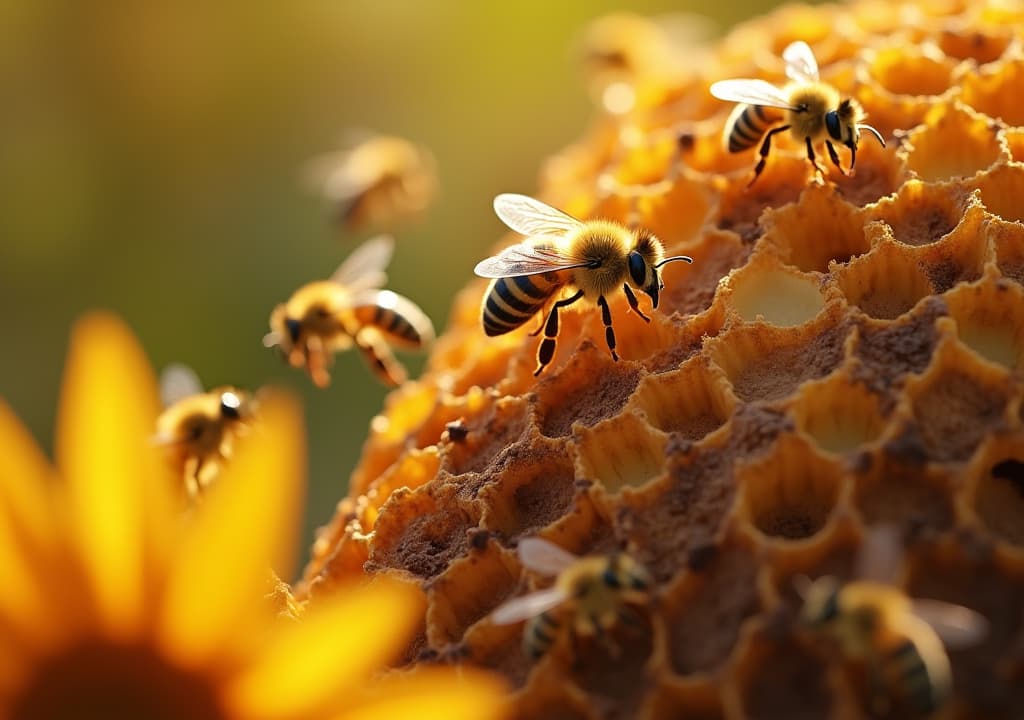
{"x":364,"y":268}
{"x":532,"y":217}
{"x":958,"y":626}
{"x":178,"y":382}
{"x":527,"y":259}
{"x":401,"y":305}
{"x":752,"y":92}
{"x":544,"y":557}
{"x":528,"y":606}
{"x":801,"y":66}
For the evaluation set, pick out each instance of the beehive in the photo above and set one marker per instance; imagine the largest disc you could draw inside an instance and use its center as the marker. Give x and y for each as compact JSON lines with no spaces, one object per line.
{"x":841,"y":354}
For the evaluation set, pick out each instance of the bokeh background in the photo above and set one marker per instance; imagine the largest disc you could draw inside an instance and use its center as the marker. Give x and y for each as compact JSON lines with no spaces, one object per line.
{"x":151,"y":155}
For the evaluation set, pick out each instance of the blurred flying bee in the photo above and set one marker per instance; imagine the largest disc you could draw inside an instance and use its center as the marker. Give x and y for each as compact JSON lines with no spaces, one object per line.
{"x":379,"y":182}
{"x":350,"y":309}
{"x":811,"y":110}
{"x":589,"y":596}
{"x":899,"y":640}
{"x":199,"y":428}
{"x":560,"y":254}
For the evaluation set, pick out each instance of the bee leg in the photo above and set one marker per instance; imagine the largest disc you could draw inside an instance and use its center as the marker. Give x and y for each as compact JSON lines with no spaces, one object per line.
{"x":379,"y":357}
{"x":812,"y":158}
{"x":192,"y":466}
{"x":834,"y":156}
{"x":546,"y":351}
{"x":633,"y":304}
{"x":766,"y":147}
{"x":609,"y":332}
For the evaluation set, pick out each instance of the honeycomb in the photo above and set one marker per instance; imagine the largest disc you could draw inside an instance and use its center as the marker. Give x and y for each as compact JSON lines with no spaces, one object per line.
{"x":844,"y":352}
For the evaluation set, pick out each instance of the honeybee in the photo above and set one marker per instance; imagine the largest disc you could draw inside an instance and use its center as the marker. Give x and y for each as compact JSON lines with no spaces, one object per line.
{"x":350,"y":309}
{"x":199,"y":428}
{"x":899,"y":640}
{"x":811,"y":110}
{"x":378,"y":182}
{"x":589,"y":595}
{"x":561,"y":253}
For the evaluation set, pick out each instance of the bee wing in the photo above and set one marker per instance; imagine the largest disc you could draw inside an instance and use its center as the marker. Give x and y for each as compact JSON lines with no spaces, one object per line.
{"x":525,"y":607}
{"x":532,"y":217}
{"x":801,"y":65}
{"x":880,"y":555}
{"x":957,"y":626}
{"x":545,"y":557}
{"x":528,"y":259}
{"x":401,"y":305}
{"x":178,"y":382}
{"x":752,"y":92}
{"x":364,"y":268}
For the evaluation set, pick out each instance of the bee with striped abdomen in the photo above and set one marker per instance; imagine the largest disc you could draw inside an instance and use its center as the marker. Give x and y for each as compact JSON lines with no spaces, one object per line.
{"x":811,"y":110}
{"x":563,"y":254}
{"x":350,"y":309}
{"x":589,"y":596}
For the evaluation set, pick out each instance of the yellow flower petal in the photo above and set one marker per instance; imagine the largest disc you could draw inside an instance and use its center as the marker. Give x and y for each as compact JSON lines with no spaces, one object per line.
{"x":434,"y":694}
{"x":247,"y":524}
{"x":107,"y":410}
{"x":329,"y":652}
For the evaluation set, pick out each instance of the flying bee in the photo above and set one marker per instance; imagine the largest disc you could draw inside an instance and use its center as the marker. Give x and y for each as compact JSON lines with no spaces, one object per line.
{"x":811,"y":110}
{"x":589,"y":596}
{"x":901,"y":641}
{"x":380,"y":181}
{"x":562,"y":254}
{"x":198,"y":428}
{"x":350,"y":309}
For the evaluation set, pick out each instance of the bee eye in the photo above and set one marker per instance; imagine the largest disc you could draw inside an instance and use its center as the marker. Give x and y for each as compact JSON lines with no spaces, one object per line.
{"x":832,"y":125}
{"x":294,"y":328}
{"x":637,"y":268}
{"x":230,"y":404}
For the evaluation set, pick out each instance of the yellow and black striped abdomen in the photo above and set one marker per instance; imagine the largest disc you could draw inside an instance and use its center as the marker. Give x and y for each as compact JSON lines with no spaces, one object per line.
{"x":747,"y":125}
{"x":398,"y":328}
{"x":512,"y":301}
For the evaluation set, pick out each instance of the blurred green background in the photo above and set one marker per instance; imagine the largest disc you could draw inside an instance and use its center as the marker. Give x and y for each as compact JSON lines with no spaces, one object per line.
{"x":150,"y":158}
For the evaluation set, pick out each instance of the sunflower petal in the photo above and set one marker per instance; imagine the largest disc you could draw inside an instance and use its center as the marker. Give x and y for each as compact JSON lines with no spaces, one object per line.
{"x":330,"y":652}
{"x":107,"y":411}
{"x":434,"y":694}
{"x":246,"y":525}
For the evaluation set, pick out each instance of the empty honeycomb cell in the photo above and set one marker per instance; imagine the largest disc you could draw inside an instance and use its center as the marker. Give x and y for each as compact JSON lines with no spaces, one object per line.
{"x":741,"y":205}
{"x":768,"y":363}
{"x":583,"y":530}
{"x":691,"y":290}
{"x":912,"y":495}
{"x":838,"y":414}
{"x":639,"y":340}
{"x":678,"y":214}
{"x":420,"y":531}
{"x":904,"y":71}
{"x":534,"y":491}
{"x":620,"y":452}
{"x":705,"y":611}
{"x":982,"y":46}
{"x":953,"y":142}
{"x":892,"y":115}
{"x":692,"y":401}
{"x":995,"y":91}
{"x":691,"y":698}
{"x":480,"y":440}
{"x":413,"y":469}
{"x":689,"y":340}
{"x":885,"y":283}
{"x":922,"y":213}
{"x":467,"y":591}
{"x":1001,"y":191}
{"x":1014,"y":138}
{"x":957,"y":403}
{"x":816,"y":230}
{"x":776,"y":295}
{"x":990,"y":320}
{"x":1008,"y":239}
{"x":836,"y":555}
{"x":591,"y":388}
{"x":996,"y":487}
{"x":791,"y":493}
{"x":961,"y":256}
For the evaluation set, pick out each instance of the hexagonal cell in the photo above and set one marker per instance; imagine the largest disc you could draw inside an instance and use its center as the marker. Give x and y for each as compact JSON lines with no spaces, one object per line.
{"x":762,"y":291}
{"x":588,"y":390}
{"x":740,"y":206}
{"x":990,"y":320}
{"x":791,"y":493}
{"x":1008,"y":238}
{"x":639,"y":340}
{"x":1014,"y":138}
{"x":769,"y":671}
{"x":885,"y":283}
{"x":1001,"y":190}
{"x":692,"y":401}
{"x":705,"y":610}
{"x":961,"y":255}
{"x":797,"y":230}
{"x":836,"y":554}
{"x":954,"y":142}
{"x":838,"y":414}
{"x":911,"y":71}
{"x":412,"y":470}
{"x":475,"y":443}
{"x":693,"y":290}
{"x":689,"y":340}
{"x":908,"y":494}
{"x":996,"y":487}
{"x":982,"y":46}
{"x":994,"y":91}
{"x":768,"y":363}
{"x":535,"y":489}
{"x":620,"y":452}
{"x":957,"y":403}
{"x":922,"y":213}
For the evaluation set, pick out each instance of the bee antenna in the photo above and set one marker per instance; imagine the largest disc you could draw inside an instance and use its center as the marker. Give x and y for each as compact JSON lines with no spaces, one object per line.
{"x":873,"y":132}
{"x":684,"y":258}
